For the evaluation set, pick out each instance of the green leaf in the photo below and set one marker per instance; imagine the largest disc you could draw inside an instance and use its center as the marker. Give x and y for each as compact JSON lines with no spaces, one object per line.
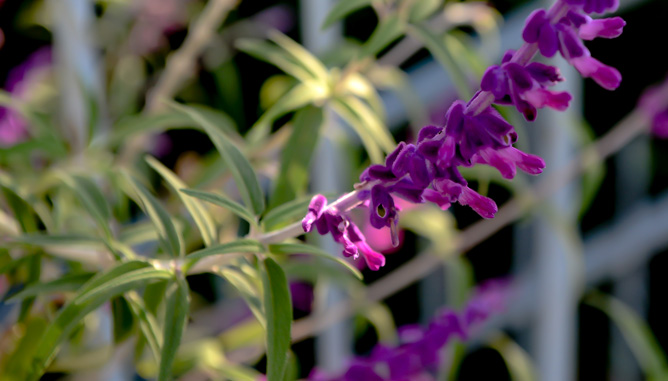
{"x":302,"y":248}
{"x":517,"y":359}
{"x":637,"y":333}
{"x":92,"y":199}
{"x":276,"y":56}
{"x":287,"y":212}
{"x":298,"y":97}
{"x":278,"y":309}
{"x":178,"y":304}
{"x":23,"y":212}
{"x":388,"y":30}
{"x":296,"y":156}
{"x":120,"y":279}
{"x":422,"y":9}
{"x":17,"y":363}
{"x":63,"y":284}
{"x":222,"y":201}
{"x":299,"y":54}
{"x":368,"y":140}
{"x":343,"y":8}
{"x":380,"y":317}
{"x":441,"y":52}
{"x":243,"y":173}
{"x":244,"y":245}
{"x":45,"y":240}
{"x":358,"y":85}
{"x":123,"y":319}
{"x":169,"y":238}
{"x":143,"y":123}
{"x":243,"y":283}
{"x":200,"y":215}
{"x":147,"y":323}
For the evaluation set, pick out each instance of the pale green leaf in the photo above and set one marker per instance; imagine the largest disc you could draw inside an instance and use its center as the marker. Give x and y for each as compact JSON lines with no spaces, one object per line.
{"x":92,"y":198}
{"x":388,"y":30}
{"x":63,"y":284}
{"x":296,"y":156}
{"x":222,"y":201}
{"x":246,"y":288}
{"x":637,"y":333}
{"x":309,"y":62}
{"x":302,"y":248}
{"x":178,"y":304}
{"x":169,"y":237}
{"x":287,"y":212}
{"x":243,"y":173}
{"x":200,"y":215}
{"x":342,"y":8}
{"x":278,"y":309}
{"x":517,"y":360}
{"x":244,"y":245}
{"x":422,"y":9}
{"x":368,"y":140}
{"x":147,"y":323}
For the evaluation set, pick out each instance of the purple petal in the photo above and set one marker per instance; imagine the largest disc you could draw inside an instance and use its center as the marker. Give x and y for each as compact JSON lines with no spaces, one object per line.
{"x":534,"y":23}
{"x":484,"y":206}
{"x":606,"y":76}
{"x":429,"y":132}
{"x":544,"y":74}
{"x":548,"y":42}
{"x":605,"y":28}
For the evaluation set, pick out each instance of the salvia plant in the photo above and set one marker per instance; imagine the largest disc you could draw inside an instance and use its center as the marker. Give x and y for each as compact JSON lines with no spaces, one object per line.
{"x":105,"y":241}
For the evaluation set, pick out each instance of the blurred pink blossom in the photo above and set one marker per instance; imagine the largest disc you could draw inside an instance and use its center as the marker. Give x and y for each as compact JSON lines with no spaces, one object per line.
{"x":20,"y":82}
{"x":156,"y":19}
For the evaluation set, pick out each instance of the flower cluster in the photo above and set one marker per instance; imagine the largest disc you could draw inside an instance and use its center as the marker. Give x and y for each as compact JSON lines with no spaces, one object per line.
{"x":474,"y":132}
{"x":342,"y":229}
{"x":418,"y":353}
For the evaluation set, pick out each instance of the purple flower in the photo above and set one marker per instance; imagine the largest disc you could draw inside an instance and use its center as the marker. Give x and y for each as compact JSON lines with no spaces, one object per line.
{"x":567,"y":34}
{"x":343,"y":230}
{"x":507,"y":159}
{"x":418,"y":354}
{"x":20,"y":83}
{"x":525,"y":87}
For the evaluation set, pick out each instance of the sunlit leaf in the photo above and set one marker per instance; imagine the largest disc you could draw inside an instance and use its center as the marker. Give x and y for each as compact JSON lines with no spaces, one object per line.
{"x":302,"y":248}
{"x":308,"y":61}
{"x":357,"y":124}
{"x":518,"y":361}
{"x":278,"y":309}
{"x":178,"y":304}
{"x":222,"y":201}
{"x":243,"y":173}
{"x":200,"y":215}
{"x":296,"y":156}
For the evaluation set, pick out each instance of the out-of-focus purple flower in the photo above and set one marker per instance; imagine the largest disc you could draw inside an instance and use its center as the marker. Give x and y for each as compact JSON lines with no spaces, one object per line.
{"x":417,"y":356}
{"x":20,"y":83}
{"x":279,"y":17}
{"x":654,"y":103}
{"x":660,"y":125}
{"x":301,"y":295}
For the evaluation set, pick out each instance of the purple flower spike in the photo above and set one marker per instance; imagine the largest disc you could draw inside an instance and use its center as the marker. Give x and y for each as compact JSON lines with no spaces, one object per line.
{"x":315,"y":208}
{"x":660,"y":125}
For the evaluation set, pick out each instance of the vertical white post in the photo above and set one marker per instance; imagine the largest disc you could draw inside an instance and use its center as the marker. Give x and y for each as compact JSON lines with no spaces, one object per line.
{"x":78,"y":71}
{"x":555,"y":326}
{"x":333,"y":345}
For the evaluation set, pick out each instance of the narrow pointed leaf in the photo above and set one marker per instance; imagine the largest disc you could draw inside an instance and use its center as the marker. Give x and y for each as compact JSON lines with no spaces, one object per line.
{"x":91,"y":296}
{"x":200,"y":215}
{"x":244,"y":285}
{"x":287,"y":212}
{"x":296,"y":156}
{"x":278,"y":309}
{"x":243,"y":173}
{"x":147,"y":323}
{"x":178,"y":304}
{"x":308,"y":61}
{"x":388,"y":30}
{"x":274,"y":55}
{"x":222,"y":201}
{"x":92,"y":199}
{"x":169,"y":238}
{"x":637,"y":333}
{"x":64,"y":284}
{"x":244,"y":245}
{"x":342,"y":9}
{"x":302,"y":248}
